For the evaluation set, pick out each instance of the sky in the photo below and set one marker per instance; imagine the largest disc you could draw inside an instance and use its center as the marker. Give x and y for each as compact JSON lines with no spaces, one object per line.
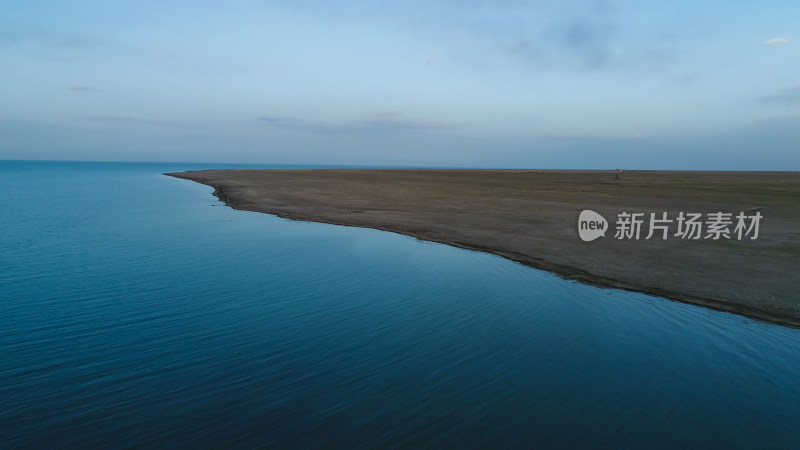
{"x":595,"y":84}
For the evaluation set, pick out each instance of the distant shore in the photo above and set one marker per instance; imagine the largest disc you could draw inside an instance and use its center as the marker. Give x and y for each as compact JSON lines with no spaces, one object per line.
{"x":531,"y":216}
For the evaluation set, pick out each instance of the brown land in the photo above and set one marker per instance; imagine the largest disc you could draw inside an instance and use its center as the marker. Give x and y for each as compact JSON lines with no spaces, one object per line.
{"x":531,"y":217}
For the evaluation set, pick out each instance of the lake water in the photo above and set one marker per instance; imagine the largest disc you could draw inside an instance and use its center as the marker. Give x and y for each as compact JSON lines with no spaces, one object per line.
{"x":137,"y":310}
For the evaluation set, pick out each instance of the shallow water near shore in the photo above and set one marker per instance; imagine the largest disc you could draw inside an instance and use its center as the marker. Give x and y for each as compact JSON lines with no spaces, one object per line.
{"x":136,"y":309}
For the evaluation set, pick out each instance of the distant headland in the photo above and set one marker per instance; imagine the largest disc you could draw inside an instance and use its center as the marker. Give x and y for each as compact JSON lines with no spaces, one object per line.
{"x":664,"y":233}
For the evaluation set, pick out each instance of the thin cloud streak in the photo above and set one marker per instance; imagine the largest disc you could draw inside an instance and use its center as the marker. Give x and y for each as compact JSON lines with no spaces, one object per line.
{"x":123,"y":121}
{"x":787,"y":97}
{"x":777,"y":41}
{"x":80,"y":88}
{"x":377,"y":123}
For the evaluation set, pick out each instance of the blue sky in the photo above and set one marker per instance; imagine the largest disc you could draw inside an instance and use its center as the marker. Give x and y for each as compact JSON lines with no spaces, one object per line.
{"x":570,"y":84}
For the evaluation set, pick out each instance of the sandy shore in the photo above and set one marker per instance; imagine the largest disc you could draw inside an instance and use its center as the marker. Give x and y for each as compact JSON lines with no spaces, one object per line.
{"x":531,"y":217}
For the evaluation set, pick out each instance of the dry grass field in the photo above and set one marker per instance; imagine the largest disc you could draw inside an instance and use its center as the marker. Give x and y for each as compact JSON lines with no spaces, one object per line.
{"x":530,"y":216}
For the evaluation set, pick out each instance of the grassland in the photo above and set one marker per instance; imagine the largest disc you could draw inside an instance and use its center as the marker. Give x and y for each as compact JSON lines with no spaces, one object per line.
{"x":530,"y":216}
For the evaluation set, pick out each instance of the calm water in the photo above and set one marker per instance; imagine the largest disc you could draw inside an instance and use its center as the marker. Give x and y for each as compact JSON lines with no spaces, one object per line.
{"x":136,"y":310}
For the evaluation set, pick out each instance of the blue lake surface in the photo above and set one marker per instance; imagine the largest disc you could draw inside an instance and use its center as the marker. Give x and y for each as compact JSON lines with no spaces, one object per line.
{"x":137,"y":310}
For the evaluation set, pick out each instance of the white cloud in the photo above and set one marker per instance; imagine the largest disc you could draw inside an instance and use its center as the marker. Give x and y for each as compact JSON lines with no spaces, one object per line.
{"x":777,"y":41}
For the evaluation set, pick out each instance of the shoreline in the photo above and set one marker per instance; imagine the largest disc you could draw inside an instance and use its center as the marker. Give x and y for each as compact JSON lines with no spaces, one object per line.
{"x":563,"y":271}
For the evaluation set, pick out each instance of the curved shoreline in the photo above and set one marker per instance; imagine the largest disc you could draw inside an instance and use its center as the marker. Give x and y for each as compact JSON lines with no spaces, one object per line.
{"x":564,"y":271}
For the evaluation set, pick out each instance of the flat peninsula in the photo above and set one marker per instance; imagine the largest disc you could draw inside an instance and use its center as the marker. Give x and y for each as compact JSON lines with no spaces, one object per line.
{"x":531,"y":216}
